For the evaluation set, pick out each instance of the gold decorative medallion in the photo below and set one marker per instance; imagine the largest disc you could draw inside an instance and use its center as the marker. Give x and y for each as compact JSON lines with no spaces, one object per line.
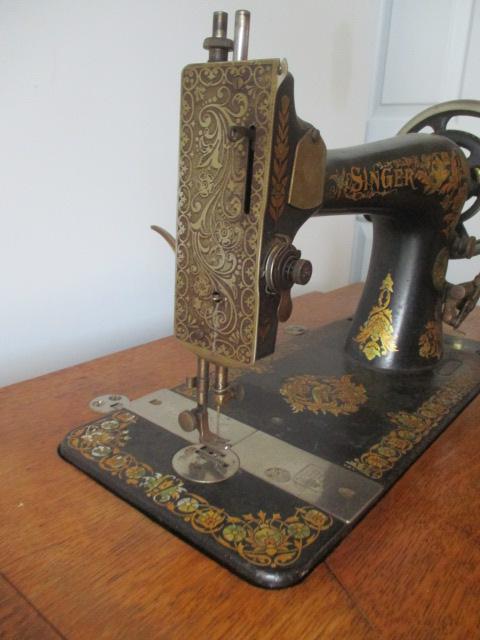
{"x":328,"y":394}
{"x":261,"y":539}
{"x":376,"y":334}
{"x":430,"y":342}
{"x":280,"y":162}
{"x":410,"y":428}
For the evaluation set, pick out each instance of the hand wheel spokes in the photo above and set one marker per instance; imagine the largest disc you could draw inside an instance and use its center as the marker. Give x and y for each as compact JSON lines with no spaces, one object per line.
{"x":438,"y":118}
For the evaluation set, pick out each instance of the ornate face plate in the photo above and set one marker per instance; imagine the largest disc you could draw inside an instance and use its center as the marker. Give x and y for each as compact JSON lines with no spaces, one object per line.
{"x":227,"y":117}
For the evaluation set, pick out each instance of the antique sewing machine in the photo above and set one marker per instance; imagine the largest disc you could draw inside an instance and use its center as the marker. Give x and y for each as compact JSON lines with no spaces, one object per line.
{"x":272,"y":453}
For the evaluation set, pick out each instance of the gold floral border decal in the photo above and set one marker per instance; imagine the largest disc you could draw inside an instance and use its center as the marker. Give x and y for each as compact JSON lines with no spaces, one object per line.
{"x":327,"y":394}
{"x":280,"y":162}
{"x":439,"y":173}
{"x":410,"y":428}
{"x":375,"y":336}
{"x":263,"y":540}
{"x":439,"y":270}
{"x":430,"y":342}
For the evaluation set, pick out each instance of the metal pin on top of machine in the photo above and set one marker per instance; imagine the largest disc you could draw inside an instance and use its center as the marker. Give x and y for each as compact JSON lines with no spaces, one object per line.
{"x":241,"y":35}
{"x":219,"y":45}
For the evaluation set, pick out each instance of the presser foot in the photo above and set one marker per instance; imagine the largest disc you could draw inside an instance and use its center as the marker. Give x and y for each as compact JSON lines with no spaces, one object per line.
{"x":205,"y":463}
{"x":211,"y":460}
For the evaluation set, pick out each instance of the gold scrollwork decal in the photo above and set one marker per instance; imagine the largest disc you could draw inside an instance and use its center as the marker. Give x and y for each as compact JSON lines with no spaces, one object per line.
{"x":327,"y":394}
{"x":261,"y":539}
{"x":430,"y":342}
{"x":439,"y":173}
{"x":375,"y":336}
{"x":410,"y":428}
{"x":439,"y":269}
{"x":280,"y":162}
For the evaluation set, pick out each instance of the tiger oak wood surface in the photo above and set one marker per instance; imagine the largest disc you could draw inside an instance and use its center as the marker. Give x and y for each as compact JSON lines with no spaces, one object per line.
{"x":80,"y":563}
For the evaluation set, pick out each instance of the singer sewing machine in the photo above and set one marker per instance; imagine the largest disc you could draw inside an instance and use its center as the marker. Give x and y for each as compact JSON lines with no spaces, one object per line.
{"x":271,"y":454}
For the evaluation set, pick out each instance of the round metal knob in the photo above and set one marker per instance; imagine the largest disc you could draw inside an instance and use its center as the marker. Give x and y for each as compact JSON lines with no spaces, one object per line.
{"x":283,"y":269}
{"x":188,"y":420}
{"x":302,"y":271}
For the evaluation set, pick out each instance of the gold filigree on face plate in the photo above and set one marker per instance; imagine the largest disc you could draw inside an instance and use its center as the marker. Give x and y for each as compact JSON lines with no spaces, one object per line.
{"x":327,"y":394}
{"x":375,"y":337}
{"x":261,"y":539}
{"x":430,"y":342}
{"x":218,"y":241}
{"x":439,"y":173}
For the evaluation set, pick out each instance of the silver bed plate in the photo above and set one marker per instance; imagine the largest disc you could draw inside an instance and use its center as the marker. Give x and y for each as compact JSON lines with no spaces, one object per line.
{"x":338,"y":491}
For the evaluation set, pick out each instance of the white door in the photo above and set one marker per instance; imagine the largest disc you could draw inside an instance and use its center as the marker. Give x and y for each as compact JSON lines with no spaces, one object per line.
{"x":428,"y":51}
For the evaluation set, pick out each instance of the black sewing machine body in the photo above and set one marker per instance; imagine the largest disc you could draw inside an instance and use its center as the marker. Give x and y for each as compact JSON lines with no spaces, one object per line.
{"x":268,"y":466}
{"x":413,"y":186}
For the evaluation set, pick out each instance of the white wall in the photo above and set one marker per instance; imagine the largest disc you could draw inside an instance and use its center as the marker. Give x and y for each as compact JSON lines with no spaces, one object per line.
{"x":407,"y":82}
{"x":89,"y":95}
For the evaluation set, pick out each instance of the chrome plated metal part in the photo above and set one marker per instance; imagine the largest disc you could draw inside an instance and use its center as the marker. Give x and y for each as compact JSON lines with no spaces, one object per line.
{"x":220,"y":24}
{"x":218,"y":45}
{"x":242,"y":34}
{"x":295,"y":330}
{"x":330,"y":487}
{"x":163,"y":407}
{"x":312,"y":478}
{"x":109,"y":402}
{"x":205,"y":464}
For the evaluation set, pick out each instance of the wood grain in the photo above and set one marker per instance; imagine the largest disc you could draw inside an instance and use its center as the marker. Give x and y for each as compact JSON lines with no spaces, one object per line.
{"x":95,"y":568}
{"x":18,"y":619}
{"x":413,"y":564}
